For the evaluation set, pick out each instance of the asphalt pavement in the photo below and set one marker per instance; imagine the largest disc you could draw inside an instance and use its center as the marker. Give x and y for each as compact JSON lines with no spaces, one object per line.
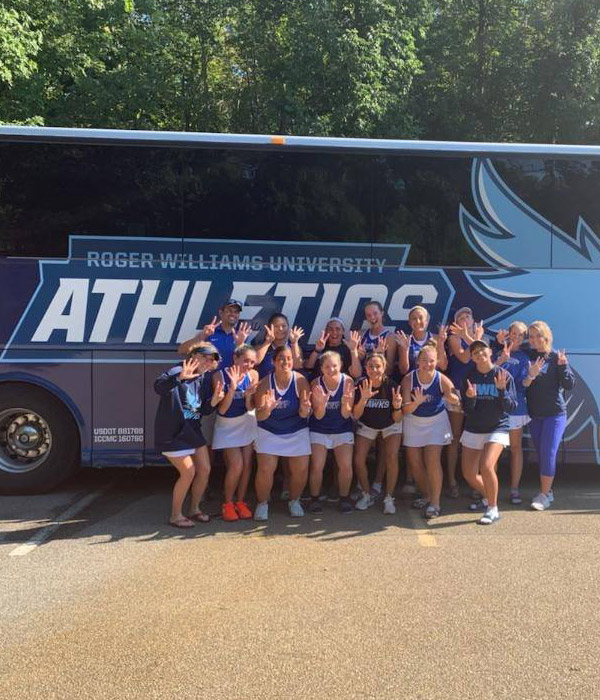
{"x":99,"y":597}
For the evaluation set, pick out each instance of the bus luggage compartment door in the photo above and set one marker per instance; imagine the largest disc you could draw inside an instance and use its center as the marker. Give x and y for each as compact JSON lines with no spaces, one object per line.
{"x":118,"y":409}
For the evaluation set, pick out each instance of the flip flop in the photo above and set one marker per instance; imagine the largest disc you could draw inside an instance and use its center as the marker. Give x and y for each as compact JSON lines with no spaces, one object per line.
{"x":182,"y":523}
{"x":199,"y":517}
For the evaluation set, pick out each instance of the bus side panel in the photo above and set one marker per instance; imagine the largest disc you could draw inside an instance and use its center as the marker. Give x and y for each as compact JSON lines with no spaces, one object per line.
{"x":118,"y":409}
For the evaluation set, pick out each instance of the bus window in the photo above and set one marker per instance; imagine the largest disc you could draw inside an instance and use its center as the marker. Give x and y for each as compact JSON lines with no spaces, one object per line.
{"x":277,"y":196}
{"x":48,"y":191}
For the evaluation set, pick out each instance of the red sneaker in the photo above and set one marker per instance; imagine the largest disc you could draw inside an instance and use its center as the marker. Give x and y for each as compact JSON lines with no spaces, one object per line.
{"x":243,"y":511}
{"x":229,"y":512}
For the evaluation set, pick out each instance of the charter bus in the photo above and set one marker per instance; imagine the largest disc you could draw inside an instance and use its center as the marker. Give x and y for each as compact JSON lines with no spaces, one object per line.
{"x":117,"y":245}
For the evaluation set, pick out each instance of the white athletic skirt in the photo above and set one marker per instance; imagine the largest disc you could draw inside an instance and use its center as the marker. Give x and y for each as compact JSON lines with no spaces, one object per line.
{"x":420,"y":431}
{"x":291,"y":445}
{"x":234,"y":432}
{"x":476,"y":441}
{"x":331,"y":441}
{"x":516,"y":422}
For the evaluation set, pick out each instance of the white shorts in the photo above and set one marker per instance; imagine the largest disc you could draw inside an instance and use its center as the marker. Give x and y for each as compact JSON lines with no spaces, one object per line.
{"x":476,"y":441}
{"x":208,"y":427}
{"x":180,"y":453}
{"x":331,"y":441}
{"x":291,"y":445}
{"x":516,"y":422}
{"x":420,"y":431}
{"x":372,"y":433}
{"x":234,"y":432}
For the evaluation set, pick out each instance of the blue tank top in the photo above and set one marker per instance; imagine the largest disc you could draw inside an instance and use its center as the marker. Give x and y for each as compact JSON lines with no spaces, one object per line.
{"x":415,"y":348}
{"x":332,"y":423}
{"x":284,"y":419}
{"x":238,"y":405}
{"x":370,"y":342}
{"x":434,"y":394}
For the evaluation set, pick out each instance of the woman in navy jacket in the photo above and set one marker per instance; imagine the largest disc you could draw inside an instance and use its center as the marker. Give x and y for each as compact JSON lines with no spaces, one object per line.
{"x":185,"y":396}
{"x":548,"y":376}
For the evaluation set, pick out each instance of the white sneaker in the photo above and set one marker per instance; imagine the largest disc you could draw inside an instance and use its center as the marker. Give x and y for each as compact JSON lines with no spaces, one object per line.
{"x":364,"y":502}
{"x":262,"y":511}
{"x":542,"y":501}
{"x":295,"y":508}
{"x":490,"y":516}
{"x":388,"y":505}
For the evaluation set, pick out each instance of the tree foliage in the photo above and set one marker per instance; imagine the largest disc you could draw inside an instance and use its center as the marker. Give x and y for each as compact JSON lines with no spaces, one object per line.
{"x":525,"y":70}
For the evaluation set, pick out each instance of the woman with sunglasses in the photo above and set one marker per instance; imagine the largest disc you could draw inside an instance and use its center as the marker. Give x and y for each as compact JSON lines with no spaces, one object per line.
{"x":185,"y":396}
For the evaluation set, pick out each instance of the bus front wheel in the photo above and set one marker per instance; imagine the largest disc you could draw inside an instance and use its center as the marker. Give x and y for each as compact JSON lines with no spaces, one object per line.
{"x":39,"y":440}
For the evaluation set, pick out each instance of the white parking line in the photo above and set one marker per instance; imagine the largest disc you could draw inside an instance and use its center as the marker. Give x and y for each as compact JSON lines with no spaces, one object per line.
{"x":40,"y":537}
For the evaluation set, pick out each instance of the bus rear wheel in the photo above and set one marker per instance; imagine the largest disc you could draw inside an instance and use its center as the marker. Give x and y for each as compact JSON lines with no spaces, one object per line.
{"x":39,"y":441}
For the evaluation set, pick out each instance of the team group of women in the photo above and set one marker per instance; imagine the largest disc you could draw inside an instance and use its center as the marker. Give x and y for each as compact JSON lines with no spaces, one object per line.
{"x":460,"y":388}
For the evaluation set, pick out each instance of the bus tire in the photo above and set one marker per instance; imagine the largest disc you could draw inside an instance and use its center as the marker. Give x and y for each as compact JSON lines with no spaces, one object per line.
{"x":39,"y":440}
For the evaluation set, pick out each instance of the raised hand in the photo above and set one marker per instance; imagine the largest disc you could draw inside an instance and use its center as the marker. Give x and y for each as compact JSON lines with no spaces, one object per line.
{"x":501,"y":336}
{"x":242,"y":333}
{"x":501,"y":380}
{"x":210,"y":328}
{"x":397,"y":398}
{"x":269,"y":334}
{"x":455,"y":329}
{"x":535,"y":367}
{"x":402,"y":339}
{"x":471,"y":391}
{"x":319,"y":396}
{"x":353,"y":341}
{"x":218,"y":393}
{"x":505,"y":354}
{"x":442,"y":333}
{"x":322,"y":342}
{"x":361,"y":351}
{"x":234,"y":375}
{"x":366,"y":390}
{"x":305,"y":403}
{"x":269,"y":402}
{"x":419,"y":396}
{"x":189,"y":369}
{"x":382,"y":344}
{"x":477,"y":331}
{"x":295,"y":334}
{"x":561,"y":357}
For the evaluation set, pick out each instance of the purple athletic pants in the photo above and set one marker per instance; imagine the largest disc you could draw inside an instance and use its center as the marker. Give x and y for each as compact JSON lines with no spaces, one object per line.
{"x":546,"y":434}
